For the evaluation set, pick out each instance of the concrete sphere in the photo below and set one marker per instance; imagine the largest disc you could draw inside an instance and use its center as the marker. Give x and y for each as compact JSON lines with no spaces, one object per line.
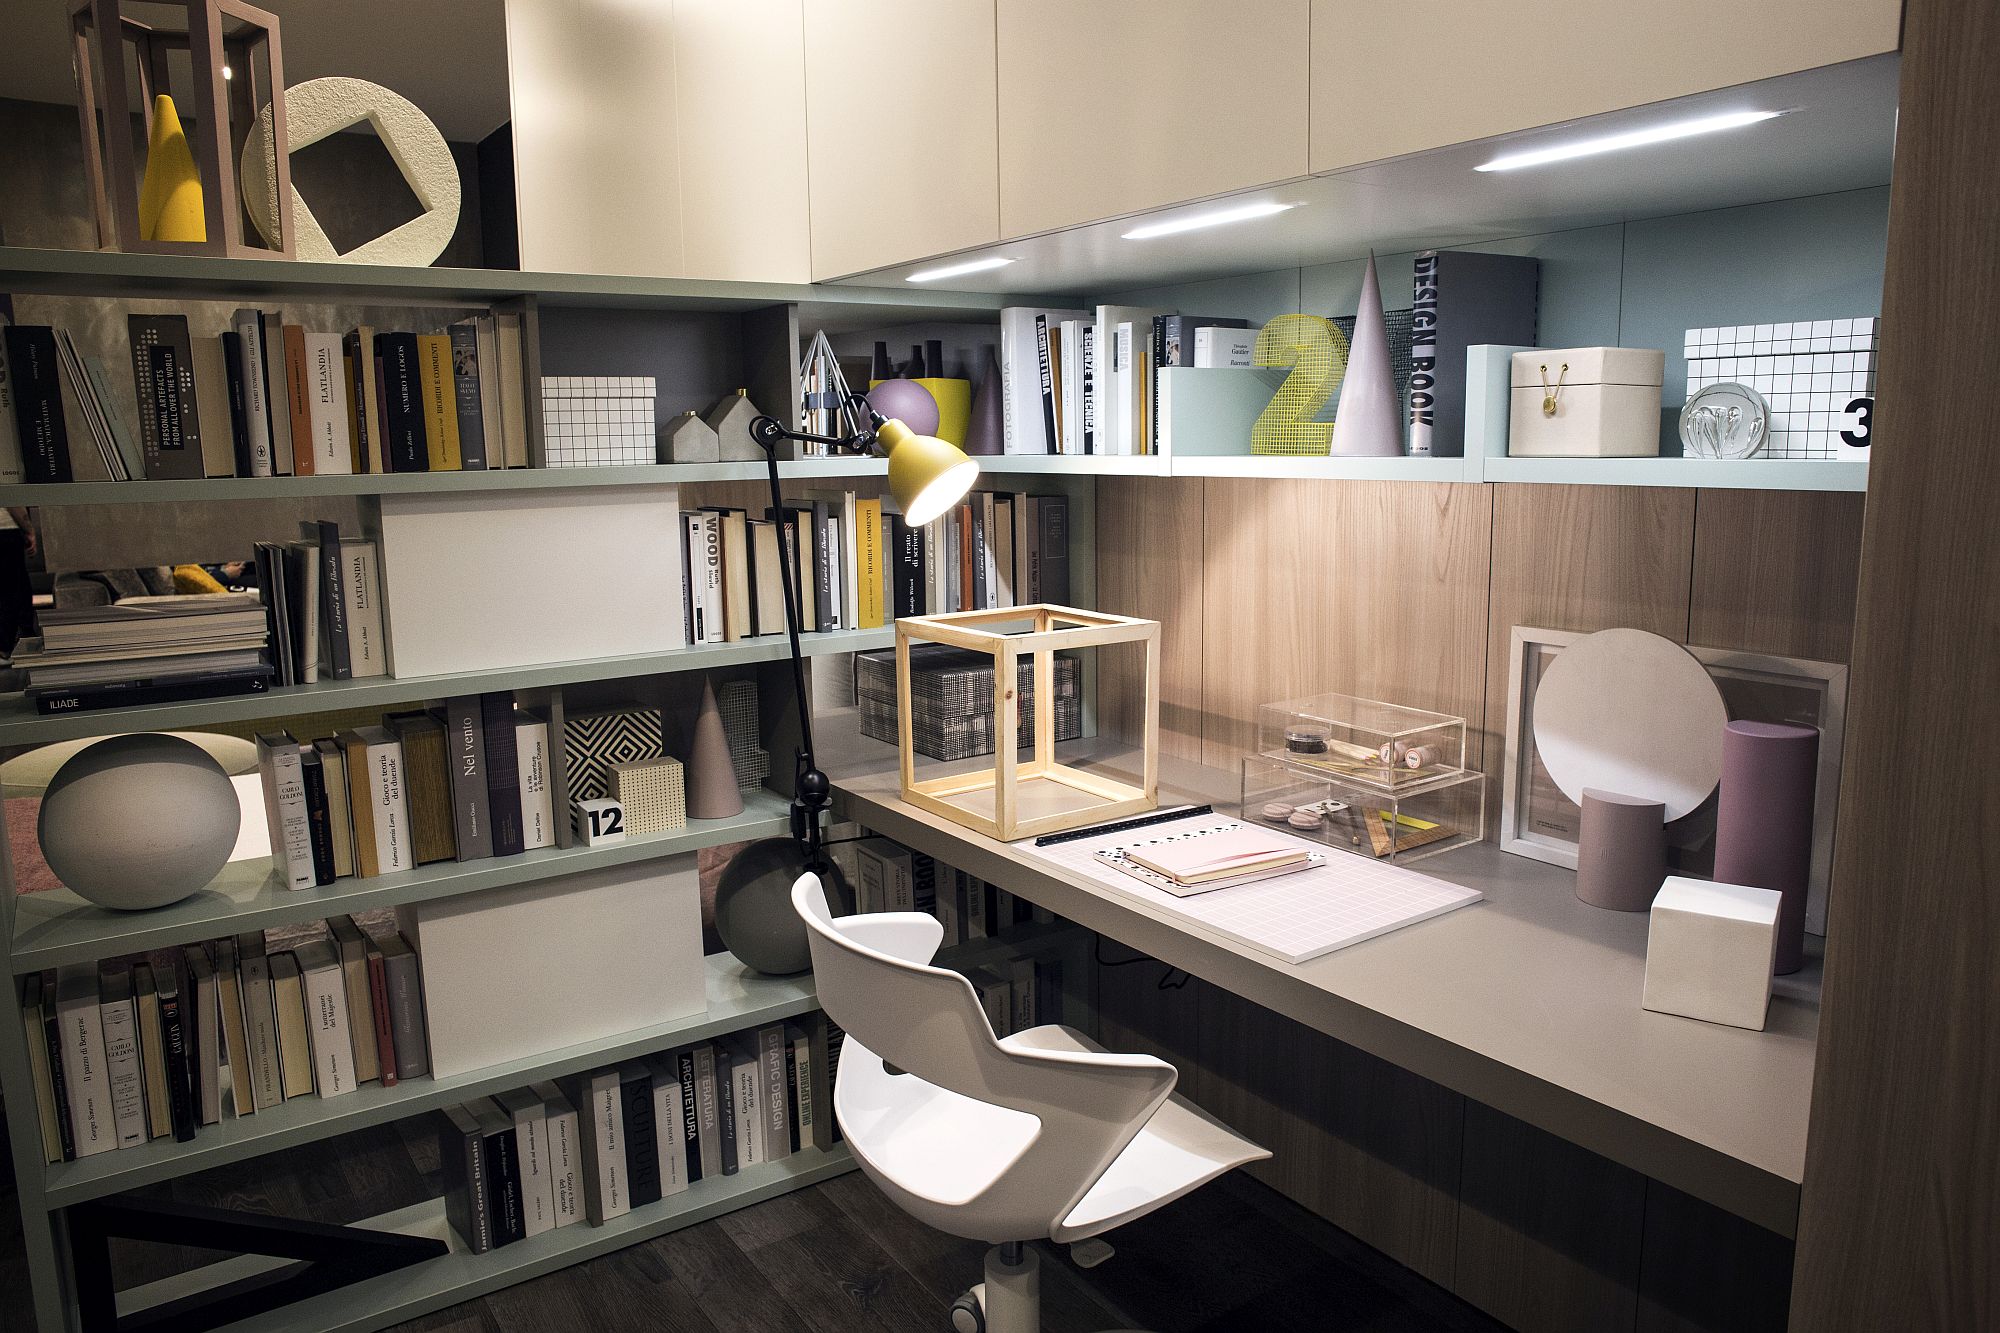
{"x":908,"y":402}
{"x":138,"y":821}
{"x":753,"y":907}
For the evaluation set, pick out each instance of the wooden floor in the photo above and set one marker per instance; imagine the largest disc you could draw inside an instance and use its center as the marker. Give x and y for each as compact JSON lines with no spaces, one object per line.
{"x":838,"y":1256}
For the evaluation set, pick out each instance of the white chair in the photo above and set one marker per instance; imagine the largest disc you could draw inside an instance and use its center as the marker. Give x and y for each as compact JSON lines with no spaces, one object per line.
{"x":1040,"y":1134}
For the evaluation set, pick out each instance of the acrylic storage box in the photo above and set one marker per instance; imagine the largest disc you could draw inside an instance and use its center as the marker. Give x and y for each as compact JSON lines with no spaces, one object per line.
{"x":1585,"y":402}
{"x":1362,"y":741}
{"x":1406,"y":823}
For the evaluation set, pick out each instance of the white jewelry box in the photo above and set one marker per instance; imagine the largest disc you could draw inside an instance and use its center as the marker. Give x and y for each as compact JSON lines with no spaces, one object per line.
{"x":1585,"y":402}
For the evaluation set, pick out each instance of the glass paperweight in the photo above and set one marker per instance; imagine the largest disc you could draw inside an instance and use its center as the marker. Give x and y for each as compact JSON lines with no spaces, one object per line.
{"x":1385,"y":747}
{"x":1401,"y":824}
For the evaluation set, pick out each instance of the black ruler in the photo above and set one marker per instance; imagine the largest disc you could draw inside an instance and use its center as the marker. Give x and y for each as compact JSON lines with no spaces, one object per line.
{"x":1125,"y":826}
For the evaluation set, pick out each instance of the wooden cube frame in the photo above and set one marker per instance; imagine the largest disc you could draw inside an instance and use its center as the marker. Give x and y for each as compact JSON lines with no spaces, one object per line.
{"x":1055,"y":628}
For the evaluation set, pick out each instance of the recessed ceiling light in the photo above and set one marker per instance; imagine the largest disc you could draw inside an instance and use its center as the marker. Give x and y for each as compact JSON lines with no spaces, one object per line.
{"x":959,"y":270}
{"x":1611,"y":143}
{"x":1196,"y":221}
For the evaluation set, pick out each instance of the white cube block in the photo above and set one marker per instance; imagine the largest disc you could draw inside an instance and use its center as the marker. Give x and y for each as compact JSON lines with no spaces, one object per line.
{"x":1710,"y":949}
{"x":599,"y":820}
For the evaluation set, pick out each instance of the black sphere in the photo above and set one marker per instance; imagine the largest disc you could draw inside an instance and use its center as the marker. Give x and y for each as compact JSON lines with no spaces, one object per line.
{"x":753,"y":906}
{"x":814,"y":786}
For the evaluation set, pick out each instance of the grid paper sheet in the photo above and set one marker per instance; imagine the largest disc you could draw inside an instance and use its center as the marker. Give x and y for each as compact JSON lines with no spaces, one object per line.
{"x":1817,"y":378}
{"x":1293,"y":918}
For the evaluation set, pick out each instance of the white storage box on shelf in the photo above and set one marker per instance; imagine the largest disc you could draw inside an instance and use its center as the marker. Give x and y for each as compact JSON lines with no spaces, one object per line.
{"x":1586,"y":402}
{"x":485,"y":582}
{"x":1710,"y":949}
{"x":520,"y":972}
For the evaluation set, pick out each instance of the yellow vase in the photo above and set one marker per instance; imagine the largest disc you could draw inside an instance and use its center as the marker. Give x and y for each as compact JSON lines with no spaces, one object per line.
{"x":170,"y":207}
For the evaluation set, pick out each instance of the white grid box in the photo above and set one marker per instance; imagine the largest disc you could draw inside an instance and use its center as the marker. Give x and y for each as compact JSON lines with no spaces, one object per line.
{"x":599,"y":420}
{"x":1818,"y":378}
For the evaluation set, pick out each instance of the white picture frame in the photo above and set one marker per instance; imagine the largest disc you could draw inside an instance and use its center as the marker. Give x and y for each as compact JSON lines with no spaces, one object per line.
{"x":1537,"y":821}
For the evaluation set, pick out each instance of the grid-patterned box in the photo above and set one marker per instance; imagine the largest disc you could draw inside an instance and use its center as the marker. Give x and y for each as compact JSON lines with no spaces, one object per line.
{"x":1817,"y":377}
{"x":598,"y":420}
{"x":951,"y":695}
{"x":738,"y":703}
{"x":653,"y":792}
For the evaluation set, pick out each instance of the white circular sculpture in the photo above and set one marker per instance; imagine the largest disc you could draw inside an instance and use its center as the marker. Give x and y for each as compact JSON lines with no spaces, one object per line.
{"x":321,"y":107}
{"x":1630,"y":712}
{"x":138,"y":821}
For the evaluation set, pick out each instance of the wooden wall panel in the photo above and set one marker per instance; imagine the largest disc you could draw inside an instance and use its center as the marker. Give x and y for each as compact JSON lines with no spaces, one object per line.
{"x":1370,"y":1147}
{"x":1374,"y":588}
{"x":1149,"y":563}
{"x":1899,"y":1219}
{"x":1775,"y":571}
{"x":1548,"y":1234}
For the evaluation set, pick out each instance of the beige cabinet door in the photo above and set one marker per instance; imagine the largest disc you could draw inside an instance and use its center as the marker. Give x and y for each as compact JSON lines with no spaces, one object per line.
{"x":900,"y":115}
{"x":1114,"y":106}
{"x":1389,"y":79}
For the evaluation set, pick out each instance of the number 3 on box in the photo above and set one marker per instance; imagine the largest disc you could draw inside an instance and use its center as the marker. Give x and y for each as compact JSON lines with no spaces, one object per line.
{"x":1316,"y":350}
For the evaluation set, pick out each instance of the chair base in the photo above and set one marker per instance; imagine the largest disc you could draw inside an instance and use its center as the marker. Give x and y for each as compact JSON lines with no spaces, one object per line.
{"x":1010,"y":1299}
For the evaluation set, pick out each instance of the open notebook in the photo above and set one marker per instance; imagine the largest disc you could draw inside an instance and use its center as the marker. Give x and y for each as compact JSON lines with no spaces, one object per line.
{"x":1222,"y":854}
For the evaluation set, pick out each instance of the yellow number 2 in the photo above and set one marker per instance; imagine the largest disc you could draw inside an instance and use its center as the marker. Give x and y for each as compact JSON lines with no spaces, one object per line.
{"x":1316,"y":350}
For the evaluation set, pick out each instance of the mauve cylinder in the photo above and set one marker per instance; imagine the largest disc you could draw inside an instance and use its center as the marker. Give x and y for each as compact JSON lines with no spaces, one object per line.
{"x":1621,"y":851}
{"x":1764,"y":821}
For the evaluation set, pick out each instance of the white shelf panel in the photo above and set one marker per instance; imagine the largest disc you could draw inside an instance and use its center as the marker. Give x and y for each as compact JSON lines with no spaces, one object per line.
{"x":1270,"y":467}
{"x":1755,"y":474}
{"x":1091,"y":465}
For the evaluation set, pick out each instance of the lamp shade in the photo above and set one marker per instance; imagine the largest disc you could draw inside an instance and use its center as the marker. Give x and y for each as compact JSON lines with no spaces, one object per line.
{"x":926,"y":475}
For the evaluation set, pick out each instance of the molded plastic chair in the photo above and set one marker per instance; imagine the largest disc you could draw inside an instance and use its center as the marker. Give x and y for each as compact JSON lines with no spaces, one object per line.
{"x":1040,"y":1134}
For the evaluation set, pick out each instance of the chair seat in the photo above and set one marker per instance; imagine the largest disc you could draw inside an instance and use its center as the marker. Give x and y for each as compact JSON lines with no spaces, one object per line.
{"x":1178,"y":1150}
{"x":945,"y":1147}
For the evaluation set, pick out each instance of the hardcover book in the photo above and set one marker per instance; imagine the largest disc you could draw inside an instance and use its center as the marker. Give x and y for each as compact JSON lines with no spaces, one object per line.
{"x":327,"y":1028}
{"x":565,"y":1153}
{"x":460,"y":1144}
{"x":121,"y":1054}
{"x":352,"y":946}
{"x":467,"y":395}
{"x":641,"y":1134}
{"x":163,"y":376}
{"x":427,"y":782}
{"x":465,"y":731}
{"x":440,"y":401}
{"x":531,"y":1151}
{"x":503,"y":772}
{"x":1461,"y":298}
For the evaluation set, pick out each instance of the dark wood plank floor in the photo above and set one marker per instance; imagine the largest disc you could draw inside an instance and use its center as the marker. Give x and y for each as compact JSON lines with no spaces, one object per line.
{"x":838,"y":1257}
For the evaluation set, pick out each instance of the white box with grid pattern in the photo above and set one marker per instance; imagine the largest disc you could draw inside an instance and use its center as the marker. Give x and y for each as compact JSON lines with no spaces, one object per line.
{"x":599,"y":420}
{"x":1817,"y":377}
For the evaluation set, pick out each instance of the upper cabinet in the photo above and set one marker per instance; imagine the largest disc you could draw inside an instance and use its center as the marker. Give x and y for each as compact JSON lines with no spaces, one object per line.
{"x":663,"y":139}
{"x":1391,"y":79}
{"x":1110,"y":108}
{"x":900,"y":118}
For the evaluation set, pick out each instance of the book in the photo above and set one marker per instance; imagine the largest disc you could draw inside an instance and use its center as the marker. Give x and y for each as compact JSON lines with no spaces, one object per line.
{"x":703,"y":529}
{"x":670,"y":1148}
{"x":503,"y":772}
{"x":709,"y":1080}
{"x":746,"y":1100}
{"x":406,"y":1007}
{"x":281,"y":767}
{"x":36,"y":381}
{"x":277,"y":399}
{"x":357,"y":346}
{"x":339,"y":804}
{"x":248,"y":327}
{"x":1048,"y":578}
{"x":641,"y":1134}
{"x":174,"y":1041}
{"x":1461,"y":298}
{"x":461,"y":1156}
{"x":378,"y":806}
{"x":766,"y":575}
{"x":235,"y":1033}
{"x":405,"y":442}
{"x":1217,"y":346}
{"x":327,"y":405}
{"x":163,"y":381}
{"x":119,"y":1021}
{"x":690,"y":1128}
{"x":467,"y":401}
{"x":465,"y":732}
{"x":1000,"y":530}
{"x":327,"y":1027}
{"x":910,"y":578}
{"x":868,"y":558}
{"x":565,"y":1160}
{"x":427,"y":785}
{"x":361,"y":594}
{"x":297,"y":398}
{"x":826,"y":1038}
{"x":210,"y":404}
{"x":295,"y":1057}
{"x":601,"y":1132}
{"x":1069,"y":388}
{"x":239,"y":409}
{"x":492,"y":422}
{"x":203,"y":1010}
{"x":1123,"y":351}
{"x":733,"y":540}
{"x":529,"y":1114}
{"x":260,"y":1022}
{"x":166,"y":687}
{"x":46,"y":1105}
{"x":351,"y":945}
{"x":11,"y":469}
{"x":798,"y":1072}
{"x":773,"y":1102}
{"x":152,"y":1051}
{"x":1021,"y":991}
{"x":440,"y":401}
{"x":319,"y":815}
{"x":384,"y":1035}
{"x":505,"y":1211}
{"x":1024,"y":422}
{"x":531,"y":749}
{"x":513,"y":390}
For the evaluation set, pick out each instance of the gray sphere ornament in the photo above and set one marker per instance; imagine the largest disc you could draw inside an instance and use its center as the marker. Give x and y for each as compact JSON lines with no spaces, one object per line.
{"x":138,"y":821}
{"x":753,"y":907}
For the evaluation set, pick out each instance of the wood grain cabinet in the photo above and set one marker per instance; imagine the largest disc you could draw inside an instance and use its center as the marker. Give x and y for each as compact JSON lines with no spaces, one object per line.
{"x":1392,"y":79}
{"x":1109,"y":108}
{"x":900,"y":116}
{"x":662,"y":139}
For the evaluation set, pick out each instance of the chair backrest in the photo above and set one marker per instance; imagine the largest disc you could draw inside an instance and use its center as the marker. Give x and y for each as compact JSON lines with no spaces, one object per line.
{"x":873,"y":977}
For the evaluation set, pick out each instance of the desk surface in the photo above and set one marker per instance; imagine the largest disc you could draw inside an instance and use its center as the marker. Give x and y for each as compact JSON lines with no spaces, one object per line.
{"x":1527,"y":1002}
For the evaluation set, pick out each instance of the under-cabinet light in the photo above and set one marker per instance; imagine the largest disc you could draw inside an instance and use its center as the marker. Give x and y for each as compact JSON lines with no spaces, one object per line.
{"x":1612,"y":143}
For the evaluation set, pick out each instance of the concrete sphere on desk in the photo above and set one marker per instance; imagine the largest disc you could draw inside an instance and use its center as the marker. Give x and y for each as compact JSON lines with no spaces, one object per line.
{"x":908,"y":402}
{"x":1630,"y":712}
{"x":138,"y":821}
{"x":754,"y":915}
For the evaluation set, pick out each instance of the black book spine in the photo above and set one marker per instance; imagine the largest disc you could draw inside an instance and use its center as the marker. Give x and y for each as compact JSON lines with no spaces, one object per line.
{"x":465,"y":391}
{"x":52,"y":1036}
{"x":503,"y":774}
{"x":792,"y":1089}
{"x":1043,"y":371}
{"x":910,"y":572}
{"x":642,"y":1141}
{"x":406,"y":449}
{"x":725,"y":1108}
{"x":333,"y":602}
{"x":31,"y":361}
{"x":176,"y":1033}
{"x":503,"y":1187}
{"x":822,"y":556}
{"x":319,"y":819}
{"x":980,"y":592}
{"x":690,"y":1116}
{"x":170,"y":689}
{"x":836,"y":1037}
{"x":239,"y":411}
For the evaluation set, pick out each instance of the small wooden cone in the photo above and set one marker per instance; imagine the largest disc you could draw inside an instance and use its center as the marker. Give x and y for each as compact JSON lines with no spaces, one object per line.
{"x":711,"y":774}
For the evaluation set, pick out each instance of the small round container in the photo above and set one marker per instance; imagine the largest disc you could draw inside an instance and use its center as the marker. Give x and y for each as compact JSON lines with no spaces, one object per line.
{"x":1306,"y":740}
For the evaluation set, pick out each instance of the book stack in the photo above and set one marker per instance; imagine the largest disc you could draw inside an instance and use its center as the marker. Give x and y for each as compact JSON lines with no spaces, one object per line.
{"x":464,"y":781}
{"x":147,"y":650}
{"x":269,"y":398}
{"x":598,"y":420}
{"x":733,"y":570}
{"x":322,"y":598}
{"x":599,"y":1145}
{"x":159,"y":1045}
{"x":951,"y":699}
{"x":993,"y":550}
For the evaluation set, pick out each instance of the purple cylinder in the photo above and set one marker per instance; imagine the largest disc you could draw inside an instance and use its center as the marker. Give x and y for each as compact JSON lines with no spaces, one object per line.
{"x":1764,"y":821}
{"x":1621,"y":851}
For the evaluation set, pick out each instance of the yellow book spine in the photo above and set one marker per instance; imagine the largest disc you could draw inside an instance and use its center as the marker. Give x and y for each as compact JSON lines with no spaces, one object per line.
{"x":440,"y":404}
{"x":868,"y":564}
